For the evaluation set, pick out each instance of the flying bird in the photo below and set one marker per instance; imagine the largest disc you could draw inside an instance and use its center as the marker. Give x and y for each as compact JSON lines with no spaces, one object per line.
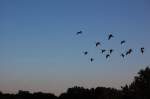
{"x":80,"y":32}
{"x":129,"y":51}
{"x":107,"y":56}
{"x":97,"y":44}
{"x":122,"y":55}
{"x":110,"y":36}
{"x":122,"y":42}
{"x":111,"y":50}
{"x":142,"y":50}
{"x":103,"y":50}
{"x":85,"y":52}
{"x":92,"y":59}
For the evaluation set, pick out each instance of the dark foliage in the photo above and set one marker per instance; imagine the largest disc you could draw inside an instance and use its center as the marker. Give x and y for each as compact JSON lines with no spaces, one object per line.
{"x":27,"y":95}
{"x":138,"y":89}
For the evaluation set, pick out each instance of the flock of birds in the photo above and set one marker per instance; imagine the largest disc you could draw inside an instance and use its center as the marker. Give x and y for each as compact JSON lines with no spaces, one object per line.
{"x":108,"y":53}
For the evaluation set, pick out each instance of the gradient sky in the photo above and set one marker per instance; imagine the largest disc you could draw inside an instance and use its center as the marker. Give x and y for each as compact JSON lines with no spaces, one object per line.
{"x":39,"y":49}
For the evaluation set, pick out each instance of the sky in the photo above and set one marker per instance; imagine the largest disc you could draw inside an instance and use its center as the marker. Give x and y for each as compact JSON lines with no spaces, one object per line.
{"x":40,"y":51}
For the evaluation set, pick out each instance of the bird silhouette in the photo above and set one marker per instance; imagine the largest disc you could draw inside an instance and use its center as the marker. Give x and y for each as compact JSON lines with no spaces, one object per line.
{"x":111,"y":50}
{"x":80,"y":32}
{"x":110,"y":36}
{"x":97,"y":44}
{"x":107,"y":56}
{"x":108,"y":52}
{"x":122,"y":55}
{"x":122,"y":42}
{"x":103,"y":50}
{"x":129,"y":51}
{"x":85,"y":52}
{"x":91,"y":59}
{"x":142,"y":50}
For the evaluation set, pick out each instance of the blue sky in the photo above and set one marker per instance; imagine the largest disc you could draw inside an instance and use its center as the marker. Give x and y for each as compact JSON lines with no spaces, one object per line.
{"x":40,"y":51}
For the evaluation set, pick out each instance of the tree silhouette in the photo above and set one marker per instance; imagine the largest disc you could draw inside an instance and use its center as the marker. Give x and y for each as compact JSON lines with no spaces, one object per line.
{"x":40,"y":95}
{"x":107,"y":93}
{"x":76,"y":93}
{"x":138,"y":89}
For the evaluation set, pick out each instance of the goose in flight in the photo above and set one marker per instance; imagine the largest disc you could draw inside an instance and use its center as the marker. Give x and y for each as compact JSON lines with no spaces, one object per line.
{"x":111,"y":50}
{"x":122,"y":55}
{"x":97,"y":44}
{"x":80,"y":32}
{"x":85,"y":52}
{"x":142,"y":50}
{"x":107,"y":56}
{"x":122,"y":42}
{"x":129,"y":51}
{"x":110,"y":36}
{"x":92,"y":59}
{"x":103,"y":50}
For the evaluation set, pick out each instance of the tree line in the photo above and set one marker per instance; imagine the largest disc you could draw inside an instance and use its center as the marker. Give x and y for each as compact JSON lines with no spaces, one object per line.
{"x":138,"y":89}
